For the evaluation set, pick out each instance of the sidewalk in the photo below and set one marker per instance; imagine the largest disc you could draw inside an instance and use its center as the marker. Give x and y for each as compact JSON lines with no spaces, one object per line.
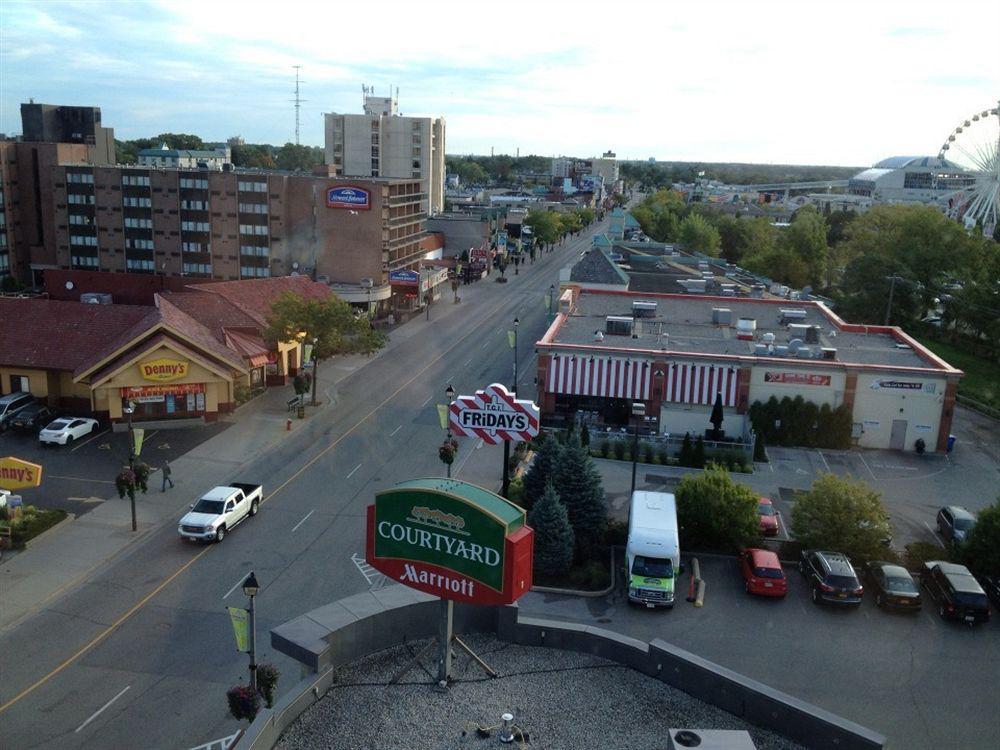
{"x":63,"y":558}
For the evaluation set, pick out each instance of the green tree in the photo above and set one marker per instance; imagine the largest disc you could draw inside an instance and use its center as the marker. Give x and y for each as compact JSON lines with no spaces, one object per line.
{"x":981,"y":551}
{"x":716,"y":512}
{"x":544,"y":225}
{"x":329,"y":324}
{"x":298,"y":158}
{"x":542,"y":469}
{"x":842,"y":515}
{"x":569,"y":222}
{"x":554,"y":538}
{"x":255,"y":156}
{"x":697,"y":235}
{"x":469,"y":172}
{"x":578,"y":483}
{"x":863,"y":296}
{"x":806,"y":240}
{"x":698,"y":453}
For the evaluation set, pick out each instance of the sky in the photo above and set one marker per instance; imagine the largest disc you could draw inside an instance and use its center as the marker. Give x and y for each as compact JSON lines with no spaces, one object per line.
{"x":805,"y":82}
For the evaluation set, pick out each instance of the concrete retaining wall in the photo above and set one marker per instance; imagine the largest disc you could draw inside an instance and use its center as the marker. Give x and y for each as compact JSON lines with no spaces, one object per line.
{"x":349,"y":629}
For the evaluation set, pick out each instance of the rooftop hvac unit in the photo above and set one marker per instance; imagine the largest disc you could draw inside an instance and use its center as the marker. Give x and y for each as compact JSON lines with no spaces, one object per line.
{"x":728,"y":292}
{"x":643,"y":309}
{"x":781,"y":350}
{"x":794,"y":345}
{"x":745,"y":328}
{"x":96,"y":298}
{"x":693,"y":286}
{"x":812,"y":334}
{"x":829,"y":353}
{"x":761,"y":350}
{"x":767,"y":338}
{"x":789,"y":314}
{"x":797,"y":330}
{"x":804,"y":352}
{"x":722,"y":316}
{"x":618,"y":325}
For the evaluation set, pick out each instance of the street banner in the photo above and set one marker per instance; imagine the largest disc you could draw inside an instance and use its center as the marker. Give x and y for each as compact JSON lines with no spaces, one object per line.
{"x":510,"y":338}
{"x":443,"y":415}
{"x":307,"y":353}
{"x":137,"y":435}
{"x":241,"y":627}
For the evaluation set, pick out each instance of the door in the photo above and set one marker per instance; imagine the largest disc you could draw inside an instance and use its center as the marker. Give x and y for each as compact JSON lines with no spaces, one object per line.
{"x":897,"y":440}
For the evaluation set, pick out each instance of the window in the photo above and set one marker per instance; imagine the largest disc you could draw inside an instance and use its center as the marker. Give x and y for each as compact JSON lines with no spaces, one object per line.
{"x":137,"y":243}
{"x":130,"y":201}
{"x":79,"y":199}
{"x":132,"y":222}
{"x":195,"y":205}
{"x":253,"y":208}
{"x":195,"y":247}
{"x":196,"y":183}
{"x":416,"y":151}
{"x":250,"y":272}
{"x":198,"y":268}
{"x":254,"y":230}
{"x":136,"y":264}
{"x":80,"y":178}
{"x":256,"y":250}
{"x":194,"y":226}
{"x":416,"y":164}
{"x":19,"y":384}
{"x":252,"y":187}
{"x":82,"y":239}
{"x":140,"y":180}
{"x":84,"y":261}
{"x":80,"y":219}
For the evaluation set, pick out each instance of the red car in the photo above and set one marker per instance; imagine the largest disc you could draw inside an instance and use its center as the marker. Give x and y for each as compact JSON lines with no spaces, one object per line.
{"x":762,"y":572}
{"x":768,"y":517}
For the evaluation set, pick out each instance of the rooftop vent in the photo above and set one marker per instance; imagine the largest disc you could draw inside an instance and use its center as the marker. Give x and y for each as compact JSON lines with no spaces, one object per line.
{"x":618,"y":325}
{"x":643,"y":309}
{"x":722,"y":316}
{"x":788,"y":314}
{"x":812,"y":334}
{"x":829,"y":353}
{"x":745,"y":328}
{"x":797,"y":330}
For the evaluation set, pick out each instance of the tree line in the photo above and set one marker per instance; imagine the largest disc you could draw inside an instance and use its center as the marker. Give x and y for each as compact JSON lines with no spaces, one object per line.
{"x":290,"y":157}
{"x":658,"y":174}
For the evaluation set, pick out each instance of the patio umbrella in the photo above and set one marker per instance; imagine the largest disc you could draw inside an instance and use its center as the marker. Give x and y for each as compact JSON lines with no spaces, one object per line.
{"x":716,"y":418}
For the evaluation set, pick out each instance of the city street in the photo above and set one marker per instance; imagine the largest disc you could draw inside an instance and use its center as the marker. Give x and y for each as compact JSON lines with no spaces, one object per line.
{"x":148,"y":634}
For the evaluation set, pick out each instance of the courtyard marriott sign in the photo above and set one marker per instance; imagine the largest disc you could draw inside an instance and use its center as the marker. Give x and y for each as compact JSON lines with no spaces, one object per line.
{"x":451,"y":539}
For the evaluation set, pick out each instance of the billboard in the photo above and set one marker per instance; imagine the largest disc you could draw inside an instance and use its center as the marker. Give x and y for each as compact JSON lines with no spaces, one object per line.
{"x":349,"y":196}
{"x":796,"y":378}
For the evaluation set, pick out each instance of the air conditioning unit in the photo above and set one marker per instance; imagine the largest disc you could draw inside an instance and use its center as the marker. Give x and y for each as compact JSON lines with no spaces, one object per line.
{"x":643,"y":309}
{"x":618,"y":325}
{"x":798,"y":330}
{"x":722,"y":316}
{"x":710,"y":739}
{"x":812,"y":334}
{"x":829,"y":353}
{"x":96,"y":298}
{"x":789,"y":314}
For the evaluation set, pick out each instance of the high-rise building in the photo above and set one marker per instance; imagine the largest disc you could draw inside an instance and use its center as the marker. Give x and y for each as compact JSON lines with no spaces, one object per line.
{"x":383,"y":143}
{"x":57,"y":123}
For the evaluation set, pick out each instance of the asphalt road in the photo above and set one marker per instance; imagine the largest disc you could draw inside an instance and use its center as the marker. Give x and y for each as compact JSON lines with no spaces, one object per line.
{"x":158,"y":678}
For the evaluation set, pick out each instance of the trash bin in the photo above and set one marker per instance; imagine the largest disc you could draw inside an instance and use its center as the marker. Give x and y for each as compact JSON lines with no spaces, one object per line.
{"x":951,"y":443}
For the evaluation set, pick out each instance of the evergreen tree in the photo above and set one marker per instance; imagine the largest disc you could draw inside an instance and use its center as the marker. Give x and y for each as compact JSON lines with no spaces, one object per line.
{"x":687,"y":455}
{"x":580,"y":488}
{"x":554,"y":539}
{"x":698,"y":453}
{"x":584,"y":436}
{"x":541,"y":470}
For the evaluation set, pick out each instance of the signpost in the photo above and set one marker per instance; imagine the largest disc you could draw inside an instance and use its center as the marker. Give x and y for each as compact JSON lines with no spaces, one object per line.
{"x":454,"y":540}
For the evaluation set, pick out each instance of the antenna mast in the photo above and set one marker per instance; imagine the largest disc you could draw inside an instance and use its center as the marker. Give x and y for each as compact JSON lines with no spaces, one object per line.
{"x":298,"y":102}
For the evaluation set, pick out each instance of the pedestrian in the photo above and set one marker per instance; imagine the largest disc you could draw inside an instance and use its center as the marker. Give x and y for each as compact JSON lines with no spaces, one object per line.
{"x":166,"y":477}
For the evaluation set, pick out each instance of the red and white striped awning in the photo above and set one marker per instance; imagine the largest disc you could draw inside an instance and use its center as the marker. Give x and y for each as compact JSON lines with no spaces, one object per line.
{"x":609,"y":377}
{"x":698,"y":384}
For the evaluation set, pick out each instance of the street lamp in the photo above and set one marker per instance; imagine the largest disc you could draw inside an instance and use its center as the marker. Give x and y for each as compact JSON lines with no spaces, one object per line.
{"x":129,"y":409}
{"x":250,"y":588}
{"x":638,"y":412}
{"x":449,"y":393}
{"x":516,"y":323}
{"x":550,"y":301}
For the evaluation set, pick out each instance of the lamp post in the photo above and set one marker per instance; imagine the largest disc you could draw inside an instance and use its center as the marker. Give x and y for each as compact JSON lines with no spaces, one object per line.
{"x":516,"y":323}
{"x":449,"y":393}
{"x":250,"y":588}
{"x":315,"y":364}
{"x":131,"y":457}
{"x":505,"y":487}
{"x":550,"y":302}
{"x":638,"y":412}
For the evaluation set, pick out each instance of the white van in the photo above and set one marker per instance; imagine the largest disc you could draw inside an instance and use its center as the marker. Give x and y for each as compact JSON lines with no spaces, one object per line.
{"x":653,"y":552}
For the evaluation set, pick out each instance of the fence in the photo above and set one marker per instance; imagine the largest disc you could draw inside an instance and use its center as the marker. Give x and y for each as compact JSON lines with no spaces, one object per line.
{"x":739,"y":451}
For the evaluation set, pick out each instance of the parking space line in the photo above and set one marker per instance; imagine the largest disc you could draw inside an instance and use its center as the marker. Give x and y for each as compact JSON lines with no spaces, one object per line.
{"x":79,"y":479}
{"x":92,"y":437}
{"x":937,"y":537}
{"x":238,"y":583}
{"x":353,"y":470}
{"x":868,"y":467}
{"x":296,"y":526}
{"x":391,"y":434}
{"x":824,"y":461}
{"x":102,"y":709}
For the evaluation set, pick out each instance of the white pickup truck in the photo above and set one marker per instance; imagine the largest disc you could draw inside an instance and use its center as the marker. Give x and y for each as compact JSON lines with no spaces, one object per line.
{"x":219,"y":510}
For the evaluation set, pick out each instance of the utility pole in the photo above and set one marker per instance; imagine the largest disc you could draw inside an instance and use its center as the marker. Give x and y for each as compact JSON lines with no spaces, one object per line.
{"x":298,"y":102}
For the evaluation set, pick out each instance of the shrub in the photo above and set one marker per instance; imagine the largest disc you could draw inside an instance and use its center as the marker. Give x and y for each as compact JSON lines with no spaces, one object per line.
{"x":619,"y":449}
{"x":698,"y":453}
{"x":981,"y":551}
{"x":32,"y":522}
{"x":554,"y":538}
{"x":267,"y":680}
{"x":617,"y":533}
{"x":715,"y":512}
{"x":302,"y":382}
{"x":605,"y":448}
{"x":244,"y":702}
{"x":516,"y":493}
{"x":663,"y":454}
{"x":647,"y":452}
{"x":585,"y":436}
{"x":843,"y":515}
{"x":917,"y":553}
{"x":687,"y":452}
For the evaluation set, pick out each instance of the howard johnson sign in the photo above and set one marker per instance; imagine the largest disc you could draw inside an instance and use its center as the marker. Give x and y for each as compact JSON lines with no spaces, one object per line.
{"x":451,"y":539}
{"x":349,"y":197}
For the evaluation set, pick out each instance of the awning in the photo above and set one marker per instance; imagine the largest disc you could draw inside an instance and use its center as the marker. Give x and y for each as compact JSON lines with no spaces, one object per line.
{"x":250,"y":347}
{"x":610,"y":377}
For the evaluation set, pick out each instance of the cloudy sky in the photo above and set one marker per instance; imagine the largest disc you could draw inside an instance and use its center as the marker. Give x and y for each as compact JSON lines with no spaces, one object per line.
{"x":808,"y":82}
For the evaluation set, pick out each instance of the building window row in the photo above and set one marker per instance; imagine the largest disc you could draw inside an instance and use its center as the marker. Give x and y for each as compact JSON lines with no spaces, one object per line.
{"x":253,"y":208}
{"x":80,"y":199}
{"x":196,"y":247}
{"x":131,"y":201}
{"x":194,"y":226}
{"x":261,"y":251}
{"x":85,"y":261}
{"x":81,"y":219}
{"x":4,"y":263}
{"x":135,"y":223}
{"x":251,"y":187}
{"x":83,"y":239}
{"x":249,"y":272}
{"x":199,"y":183}
{"x":138,"y":180}
{"x":80,"y":178}
{"x":138,"y":264}
{"x":137,"y":243}
{"x":259,"y":230}
{"x":3,"y":240}
{"x":198,"y":268}
{"x":194,"y":205}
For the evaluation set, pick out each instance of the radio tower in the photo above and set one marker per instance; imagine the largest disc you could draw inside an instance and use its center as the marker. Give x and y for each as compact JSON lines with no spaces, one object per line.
{"x":298,"y":102}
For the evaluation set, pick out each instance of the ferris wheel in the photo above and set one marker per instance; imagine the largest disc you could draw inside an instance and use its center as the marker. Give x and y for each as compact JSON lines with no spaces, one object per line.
{"x":974,"y":145}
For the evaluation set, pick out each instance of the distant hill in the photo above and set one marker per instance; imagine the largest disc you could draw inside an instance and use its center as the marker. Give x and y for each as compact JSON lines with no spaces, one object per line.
{"x":739,"y":173}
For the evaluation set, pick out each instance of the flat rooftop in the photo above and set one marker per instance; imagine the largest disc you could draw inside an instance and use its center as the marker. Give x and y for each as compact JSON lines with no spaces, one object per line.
{"x":683,"y":324}
{"x":563,"y":700}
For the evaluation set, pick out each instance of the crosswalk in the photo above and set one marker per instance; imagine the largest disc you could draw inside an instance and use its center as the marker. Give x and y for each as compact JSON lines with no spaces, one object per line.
{"x":223,"y":743}
{"x":375,"y":579}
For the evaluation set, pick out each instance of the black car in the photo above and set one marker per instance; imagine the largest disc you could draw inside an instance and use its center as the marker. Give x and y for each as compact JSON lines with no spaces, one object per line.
{"x":991,"y":585}
{"x":958,"y":595}
{"x":893,"y":586}
{"x":32,"y":418}
{"x":831,"y":578}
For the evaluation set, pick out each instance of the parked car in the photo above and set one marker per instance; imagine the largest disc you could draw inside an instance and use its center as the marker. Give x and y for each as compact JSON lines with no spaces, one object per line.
{"x":954,"y":523}
{"x":11,"y":404}
{"x":893,"y":586}
{"x":831,"y":578}
{"x":32,"y":417}
{"x":958,"y":595}
{"x":768,"y":517}
{"x":991,"y":585}
{"x":762,"y":572}
{"x":219,"y":510}
{"x":67,"y":429}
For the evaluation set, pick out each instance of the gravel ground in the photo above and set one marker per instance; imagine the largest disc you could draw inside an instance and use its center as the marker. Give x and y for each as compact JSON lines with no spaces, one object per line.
{"x":561,"y":699}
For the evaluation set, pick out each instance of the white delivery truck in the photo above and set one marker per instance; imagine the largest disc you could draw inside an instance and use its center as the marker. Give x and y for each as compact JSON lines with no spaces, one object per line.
{"x":653,"y":552}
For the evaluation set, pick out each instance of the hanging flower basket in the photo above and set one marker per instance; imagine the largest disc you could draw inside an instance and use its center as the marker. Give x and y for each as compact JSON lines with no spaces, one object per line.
{"x":448,"y":450}
{"x":244,"y":702}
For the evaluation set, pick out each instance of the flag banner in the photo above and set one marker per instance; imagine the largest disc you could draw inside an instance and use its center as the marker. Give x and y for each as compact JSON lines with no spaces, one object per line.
{"x":137,"y":435}
{"x":241,"y":627}
{"x":510,"y":338}
{"x":443,"y":415}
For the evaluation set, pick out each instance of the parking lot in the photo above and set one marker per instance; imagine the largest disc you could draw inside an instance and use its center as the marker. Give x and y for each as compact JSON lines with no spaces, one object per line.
{"x":79,"y":476}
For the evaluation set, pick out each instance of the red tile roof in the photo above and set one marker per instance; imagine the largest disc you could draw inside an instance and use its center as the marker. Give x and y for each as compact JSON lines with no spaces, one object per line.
{"x":213,"y":311}
{"x":255,"y":296}
{"x":52,"y":335}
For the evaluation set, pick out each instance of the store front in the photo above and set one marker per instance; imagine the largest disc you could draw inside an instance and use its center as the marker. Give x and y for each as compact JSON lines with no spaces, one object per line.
{"x":166,"y":401}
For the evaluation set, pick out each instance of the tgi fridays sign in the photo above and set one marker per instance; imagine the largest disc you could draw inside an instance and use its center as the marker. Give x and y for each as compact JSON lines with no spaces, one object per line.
{"x":163,"y":369}
{"x":796,"y":378}
{"x":494,"y":415}
{"x":450,"y":539}
{"x":17,"y":474}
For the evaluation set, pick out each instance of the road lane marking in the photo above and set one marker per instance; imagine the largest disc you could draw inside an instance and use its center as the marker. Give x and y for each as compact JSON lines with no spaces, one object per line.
{"x":393,"y":433}
{"x":369,"y":573}
{"x":79,"y":479}
{"x":426,"y":400}
{"x":485,"y":344}
{"x":92,"y":437}
{"x":467,"y":362}
{"x":353,"y":470}
{"x":102,"y":708}
{"x":468,"y":455}
{"x":296,"y":526}
{"x":242,"y":579}
{"x":205,"y":550}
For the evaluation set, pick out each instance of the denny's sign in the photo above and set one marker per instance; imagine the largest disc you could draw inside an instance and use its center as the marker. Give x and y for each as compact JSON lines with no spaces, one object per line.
{"x":16,"y":474}
{"x":451,"y":539}
{"x":163,"y":370}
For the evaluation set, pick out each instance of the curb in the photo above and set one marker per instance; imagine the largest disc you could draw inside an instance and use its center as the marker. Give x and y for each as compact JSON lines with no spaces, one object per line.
{"x":69,"y":517}
{"x":578,"y":592}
